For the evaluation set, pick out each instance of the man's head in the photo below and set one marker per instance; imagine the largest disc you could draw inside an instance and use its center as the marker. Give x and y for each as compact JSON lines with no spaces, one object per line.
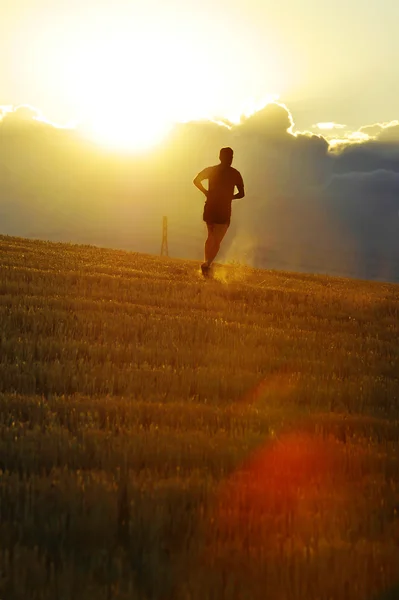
{"x":226,"y":156}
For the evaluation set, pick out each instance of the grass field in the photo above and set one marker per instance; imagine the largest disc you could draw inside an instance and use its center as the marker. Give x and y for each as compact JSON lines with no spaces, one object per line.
{"x":168,"y":438}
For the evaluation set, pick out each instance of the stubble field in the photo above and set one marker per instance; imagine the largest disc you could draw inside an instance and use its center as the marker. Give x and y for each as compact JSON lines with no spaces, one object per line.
{"x":168,"y":438}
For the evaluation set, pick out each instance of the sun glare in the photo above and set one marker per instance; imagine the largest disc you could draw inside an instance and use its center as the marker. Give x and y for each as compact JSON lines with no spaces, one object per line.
{"x":140,"y":127}
{"x":121,"y":132}
{"x":127,"y":91}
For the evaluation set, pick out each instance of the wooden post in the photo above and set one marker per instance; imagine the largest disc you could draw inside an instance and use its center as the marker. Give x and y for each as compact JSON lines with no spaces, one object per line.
{"x":164,"y":246}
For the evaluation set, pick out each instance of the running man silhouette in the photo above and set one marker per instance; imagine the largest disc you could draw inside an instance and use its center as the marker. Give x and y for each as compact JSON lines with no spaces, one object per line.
{"x":223,"y":179}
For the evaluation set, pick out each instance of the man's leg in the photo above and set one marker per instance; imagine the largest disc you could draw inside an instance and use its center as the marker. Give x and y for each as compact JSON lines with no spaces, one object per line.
{"x":209,"y":244}
{"x":216,"y":233}
{"x":208,"y":250}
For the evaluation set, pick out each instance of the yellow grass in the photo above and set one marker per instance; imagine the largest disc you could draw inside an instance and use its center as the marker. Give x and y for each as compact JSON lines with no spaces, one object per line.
{"x":165,"y":437}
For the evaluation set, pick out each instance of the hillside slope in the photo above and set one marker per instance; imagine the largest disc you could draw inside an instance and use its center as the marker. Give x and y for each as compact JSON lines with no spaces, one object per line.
{"x":162,"y":436}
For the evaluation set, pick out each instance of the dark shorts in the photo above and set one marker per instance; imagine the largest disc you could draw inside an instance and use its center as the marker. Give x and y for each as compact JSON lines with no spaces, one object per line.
{"x":210,"y":223}
{"x":216,"y":217}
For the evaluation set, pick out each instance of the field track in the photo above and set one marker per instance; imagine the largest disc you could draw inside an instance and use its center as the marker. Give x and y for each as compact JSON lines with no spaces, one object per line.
{"x":163,"y":437}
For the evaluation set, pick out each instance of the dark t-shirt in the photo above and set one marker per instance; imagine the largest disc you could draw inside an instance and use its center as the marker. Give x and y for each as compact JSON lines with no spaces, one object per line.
{"x":222,"y":181}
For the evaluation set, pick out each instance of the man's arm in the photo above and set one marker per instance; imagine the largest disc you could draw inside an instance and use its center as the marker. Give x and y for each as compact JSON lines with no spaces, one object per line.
{"x":200,"y":177}
{"x":240,"y":187}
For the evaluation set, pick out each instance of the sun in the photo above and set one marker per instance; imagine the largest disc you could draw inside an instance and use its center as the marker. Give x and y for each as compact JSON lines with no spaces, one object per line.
{"x":130,"y":84}
{"x":127,"y":71}
{"x":123,"y":131}
{"x":129,"y":92}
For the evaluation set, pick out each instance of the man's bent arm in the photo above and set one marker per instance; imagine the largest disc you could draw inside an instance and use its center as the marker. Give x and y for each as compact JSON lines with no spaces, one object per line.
{"x":241,"y":192}
{"x":240,"y":187}
{"x":197,"y":182}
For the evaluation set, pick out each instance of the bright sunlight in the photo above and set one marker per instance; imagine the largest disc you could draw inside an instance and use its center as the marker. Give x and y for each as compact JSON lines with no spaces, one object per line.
{"x":129,"y":84}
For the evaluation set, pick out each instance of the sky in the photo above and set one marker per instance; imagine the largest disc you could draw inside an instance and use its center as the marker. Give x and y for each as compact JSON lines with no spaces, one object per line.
{"x":132,"y":66}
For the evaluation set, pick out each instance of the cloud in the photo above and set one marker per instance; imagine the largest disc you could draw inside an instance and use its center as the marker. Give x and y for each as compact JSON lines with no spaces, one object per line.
{"x":382,"y":131}
{"x":365,"y":208}
{"x":4,"y":110}
{"x":329,"y":125}
{"x":368,"y":156}
{"x":20,"y":116}
{"x":311,"y":204}
{"x":274,"y":120}
{"x":390,"y":133}
{"x":369,"y":196}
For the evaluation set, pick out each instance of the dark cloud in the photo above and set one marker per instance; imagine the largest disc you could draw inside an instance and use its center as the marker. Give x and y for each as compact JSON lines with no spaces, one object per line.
{"x":368,"y":157}
{"x":365,"y":209}
{"x":306,"y":207}
{"x":383,"y":132}
{"x":368,"y":199}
